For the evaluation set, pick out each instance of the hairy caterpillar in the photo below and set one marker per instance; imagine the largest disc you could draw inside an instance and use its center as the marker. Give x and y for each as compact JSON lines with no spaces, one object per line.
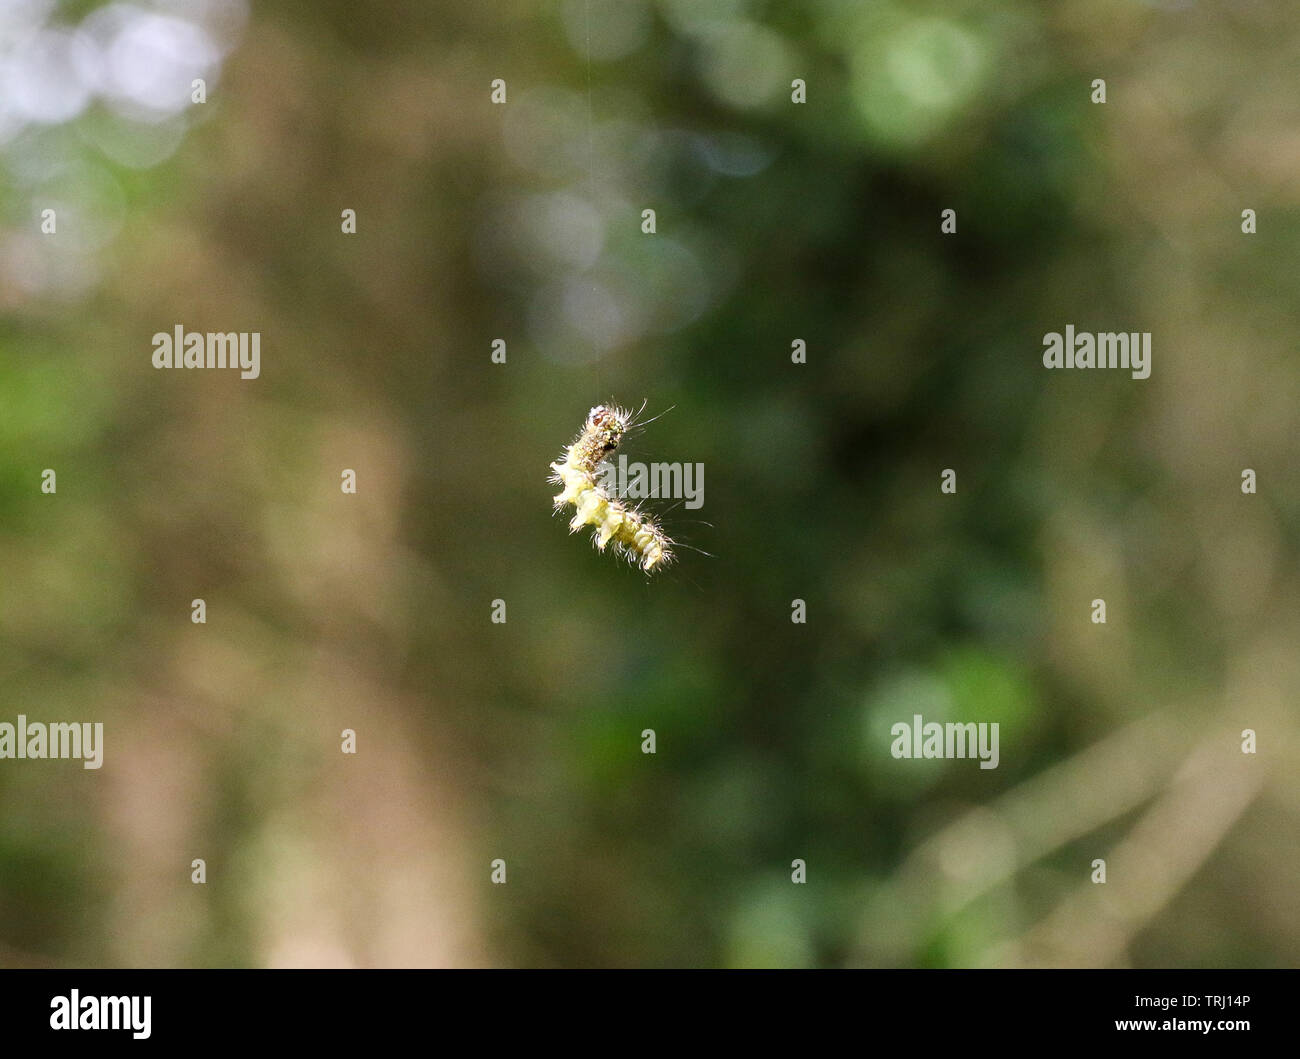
{"x":634,"y":535}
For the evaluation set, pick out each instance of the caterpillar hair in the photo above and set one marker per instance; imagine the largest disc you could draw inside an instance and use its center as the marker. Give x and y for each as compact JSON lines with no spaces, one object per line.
{"x":634,"y":535}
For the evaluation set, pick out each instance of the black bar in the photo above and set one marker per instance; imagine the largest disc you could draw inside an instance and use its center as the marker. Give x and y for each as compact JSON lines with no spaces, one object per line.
{"x":214,"y":1008}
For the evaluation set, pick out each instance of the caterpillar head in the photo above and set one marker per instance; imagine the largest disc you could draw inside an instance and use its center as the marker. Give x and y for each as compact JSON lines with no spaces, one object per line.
{"x":604,"y":430}
{"x":607,"y":426}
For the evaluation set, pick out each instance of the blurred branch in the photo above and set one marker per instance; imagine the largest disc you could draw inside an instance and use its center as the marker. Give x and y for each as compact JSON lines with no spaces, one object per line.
{"x":1044,"y":813}
{"x":1094,"y":926}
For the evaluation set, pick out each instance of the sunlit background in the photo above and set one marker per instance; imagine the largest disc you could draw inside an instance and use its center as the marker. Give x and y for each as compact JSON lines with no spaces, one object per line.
{"x":775,"y":221}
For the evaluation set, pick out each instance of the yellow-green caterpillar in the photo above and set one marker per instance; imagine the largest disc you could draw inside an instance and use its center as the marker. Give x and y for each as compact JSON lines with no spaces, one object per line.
{"x":635,"y":535}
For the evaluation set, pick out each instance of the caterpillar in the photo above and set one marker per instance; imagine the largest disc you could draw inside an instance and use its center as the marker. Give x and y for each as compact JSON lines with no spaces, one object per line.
{"x":635,"y":535}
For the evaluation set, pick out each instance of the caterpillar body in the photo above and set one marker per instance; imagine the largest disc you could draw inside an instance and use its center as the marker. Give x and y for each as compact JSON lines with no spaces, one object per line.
{"x":633,"y":534}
